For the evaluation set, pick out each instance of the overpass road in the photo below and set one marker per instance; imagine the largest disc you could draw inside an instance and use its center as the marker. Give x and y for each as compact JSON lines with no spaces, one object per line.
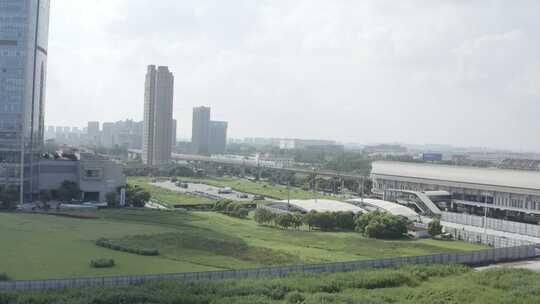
{"x":255,"y":164}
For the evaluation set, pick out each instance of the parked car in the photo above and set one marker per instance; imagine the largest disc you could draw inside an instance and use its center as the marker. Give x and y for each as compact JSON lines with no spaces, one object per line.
{"x":242,"y":195}
{"x":225,"y":190}
{"x":258,"y":198}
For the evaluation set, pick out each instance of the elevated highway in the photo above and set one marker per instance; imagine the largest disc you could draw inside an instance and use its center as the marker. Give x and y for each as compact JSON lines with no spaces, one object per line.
{"x":255,"y":164}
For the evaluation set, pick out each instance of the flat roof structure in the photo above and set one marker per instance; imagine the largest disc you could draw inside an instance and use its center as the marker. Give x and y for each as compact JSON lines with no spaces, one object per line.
{"x":322,"y":205}
{"x":491,"y":177}
{"x":392,"y":208}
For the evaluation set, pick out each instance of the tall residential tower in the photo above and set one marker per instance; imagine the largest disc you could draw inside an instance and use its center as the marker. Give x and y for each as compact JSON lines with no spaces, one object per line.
{"x":158,"y":107}
{"x":200,"y":130}
{"x":24,"y":27}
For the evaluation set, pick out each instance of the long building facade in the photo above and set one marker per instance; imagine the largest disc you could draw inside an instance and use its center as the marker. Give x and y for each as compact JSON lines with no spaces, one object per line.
{"x":497,"y":193}
{"x":158,"y":121}
{"x":24,"y":27}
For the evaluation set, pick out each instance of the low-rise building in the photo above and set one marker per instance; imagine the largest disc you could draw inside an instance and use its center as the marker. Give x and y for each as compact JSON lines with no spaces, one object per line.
{"x":95,"y":175}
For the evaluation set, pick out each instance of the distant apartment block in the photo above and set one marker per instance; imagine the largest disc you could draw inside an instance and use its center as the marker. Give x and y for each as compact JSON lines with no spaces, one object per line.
{"x":158,"y":107}
{"x":217,"y":138}
{"x":208,"y":137}
{"x":200,"y":130}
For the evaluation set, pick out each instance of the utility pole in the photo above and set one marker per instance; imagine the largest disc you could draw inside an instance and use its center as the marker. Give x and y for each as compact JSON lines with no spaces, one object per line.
{"x":289,"y":195}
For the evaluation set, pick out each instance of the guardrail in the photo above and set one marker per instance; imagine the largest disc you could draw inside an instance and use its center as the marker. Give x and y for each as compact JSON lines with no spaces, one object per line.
{"x":470,"y":258}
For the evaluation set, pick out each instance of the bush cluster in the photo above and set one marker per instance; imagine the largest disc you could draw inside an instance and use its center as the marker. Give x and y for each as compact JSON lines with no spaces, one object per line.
{"x":140,"y":251}
{"x":382,"y":225}
{"x":323,"y":221}
{"x":102,"y":263}
{"x":350,"y":287}
{"x":231,"y":208}
{"x":3,"y":276}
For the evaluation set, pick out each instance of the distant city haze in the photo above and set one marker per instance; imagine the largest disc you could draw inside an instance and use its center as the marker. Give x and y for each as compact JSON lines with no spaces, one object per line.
{"x":465,"y":73}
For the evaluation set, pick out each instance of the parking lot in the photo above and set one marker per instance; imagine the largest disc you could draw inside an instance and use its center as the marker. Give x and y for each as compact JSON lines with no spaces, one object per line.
{"x":206,"y":190}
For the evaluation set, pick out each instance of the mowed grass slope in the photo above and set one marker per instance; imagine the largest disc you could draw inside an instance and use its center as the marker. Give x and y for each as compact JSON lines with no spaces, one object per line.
{"x":42,"y":246}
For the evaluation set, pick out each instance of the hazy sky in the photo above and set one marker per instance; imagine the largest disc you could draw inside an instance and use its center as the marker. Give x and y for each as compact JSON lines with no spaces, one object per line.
{"x":457,"y":72}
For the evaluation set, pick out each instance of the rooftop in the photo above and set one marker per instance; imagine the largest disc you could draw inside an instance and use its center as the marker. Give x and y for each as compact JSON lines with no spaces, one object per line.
{"x":321,"y":205}
{"x":392,"y":208}
{"x":471,"y":175}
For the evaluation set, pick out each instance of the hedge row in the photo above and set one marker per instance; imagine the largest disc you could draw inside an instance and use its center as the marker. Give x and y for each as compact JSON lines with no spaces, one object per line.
{"x":3,"y":276}
{"x":140,"y":251}
{"x":102,"y":263}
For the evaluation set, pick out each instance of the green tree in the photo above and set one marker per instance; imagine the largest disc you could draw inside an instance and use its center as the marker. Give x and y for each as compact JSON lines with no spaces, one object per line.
{"x":284,"y":220}
{"x":345,"y":220}
{"x":263,"y":216}
{"x":8,"y":198}
{"x":112,"y":199}
{"x":69,"y":191}
{"x":382,"y":225}
{"x":435,"y":228}
{"x":310,"y":219}
{"x":296,"y":221}
{"x":136,"y":196}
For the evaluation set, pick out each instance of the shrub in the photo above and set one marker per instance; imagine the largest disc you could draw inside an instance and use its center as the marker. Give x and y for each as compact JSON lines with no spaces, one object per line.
{"x":140,"y":251}
{"x":295,"y":297}
{"x":3,"y":276}
{"x":435,"y":228}
{"x":102,"y":263}
{"x":382,"y":225}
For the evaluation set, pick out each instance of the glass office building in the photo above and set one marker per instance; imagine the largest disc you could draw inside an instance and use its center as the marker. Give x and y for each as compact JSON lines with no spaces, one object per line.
{"x":24,"y":26}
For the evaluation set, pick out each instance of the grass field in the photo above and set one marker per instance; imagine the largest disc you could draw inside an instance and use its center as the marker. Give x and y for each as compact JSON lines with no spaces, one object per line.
{"x":43,"y":246}
{"x":434,"y":284}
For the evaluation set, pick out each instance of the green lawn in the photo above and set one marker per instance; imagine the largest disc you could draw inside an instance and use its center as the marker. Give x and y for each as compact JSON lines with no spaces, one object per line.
{"x":168,"y":197}
{"x":42,"y":246}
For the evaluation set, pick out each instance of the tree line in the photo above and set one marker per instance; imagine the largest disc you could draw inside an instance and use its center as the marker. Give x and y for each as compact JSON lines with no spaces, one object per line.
{"x":374,"y":224}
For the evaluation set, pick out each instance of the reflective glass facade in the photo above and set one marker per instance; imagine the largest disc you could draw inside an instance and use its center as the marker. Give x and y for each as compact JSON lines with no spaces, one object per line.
{"x":24,"y":26}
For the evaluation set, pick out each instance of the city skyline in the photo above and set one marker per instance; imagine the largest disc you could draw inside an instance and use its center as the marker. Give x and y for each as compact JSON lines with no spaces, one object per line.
{"x":341,"y":69}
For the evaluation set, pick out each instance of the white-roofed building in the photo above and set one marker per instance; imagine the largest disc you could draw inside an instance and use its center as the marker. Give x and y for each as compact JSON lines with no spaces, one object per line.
{"x":322,"y":205}
{"x":371,"y":204}
{"x":513,"y":194}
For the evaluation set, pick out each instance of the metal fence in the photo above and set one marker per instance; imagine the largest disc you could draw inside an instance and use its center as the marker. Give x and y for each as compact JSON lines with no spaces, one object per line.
{"x":486,"y":239}
{"x":495,"y":224}
{"x":470,"y":258}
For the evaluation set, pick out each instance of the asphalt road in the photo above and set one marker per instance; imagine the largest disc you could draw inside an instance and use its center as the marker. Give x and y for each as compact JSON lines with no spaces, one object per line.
{"x":204,"y":189}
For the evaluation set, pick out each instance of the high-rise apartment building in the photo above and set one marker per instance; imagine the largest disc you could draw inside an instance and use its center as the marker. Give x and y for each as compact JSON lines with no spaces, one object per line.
{"x":158,"y":107}
{"x":217,"y":138}
{"x":24,"y":27}
{"x":93,"y":132}
{"x":200,"y":130}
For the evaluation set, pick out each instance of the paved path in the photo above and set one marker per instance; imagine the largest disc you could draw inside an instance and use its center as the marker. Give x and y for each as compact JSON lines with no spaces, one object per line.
{"x":533,"y":265}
